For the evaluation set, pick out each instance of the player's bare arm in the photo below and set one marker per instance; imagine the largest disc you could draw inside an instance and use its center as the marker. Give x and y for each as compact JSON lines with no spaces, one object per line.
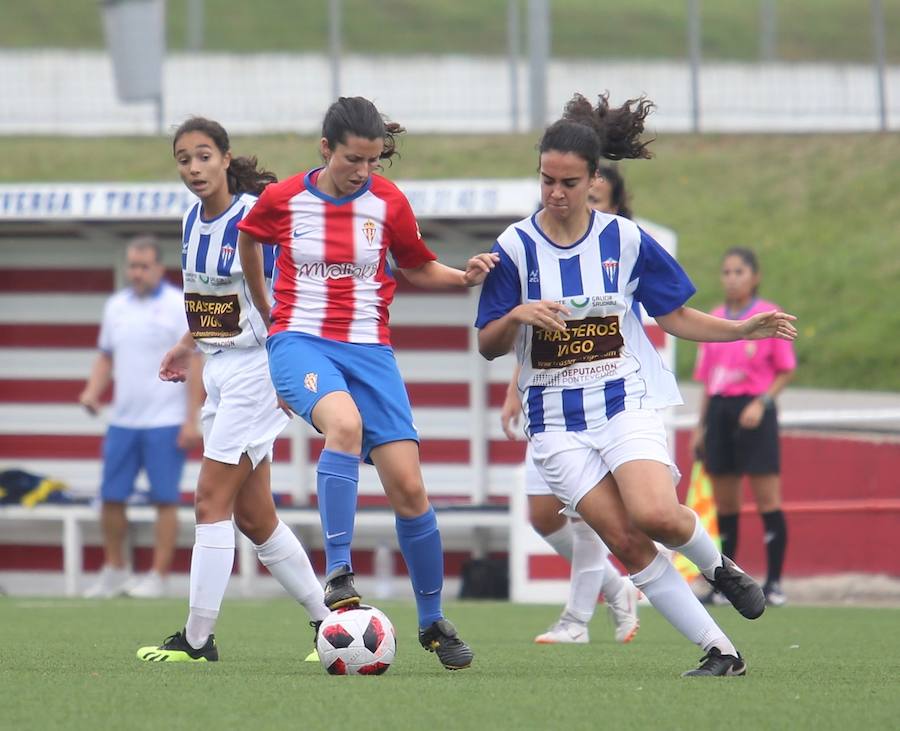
{"x":176,"y":363}
{"x":434,"y":275}
{"x":190,"y":436}
{"x":97,"y":383}
{"x":690,"y":324}
{"x":511,"y":413}
{"x":252,"y":263}
{"x":497,"y":337}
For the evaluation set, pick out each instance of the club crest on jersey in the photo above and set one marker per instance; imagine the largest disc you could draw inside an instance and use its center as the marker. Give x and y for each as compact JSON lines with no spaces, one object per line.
{"x":611,"y":267}
{"x":311,"y":382}
{"x":227,"y":255}
{"x":369,"y":230}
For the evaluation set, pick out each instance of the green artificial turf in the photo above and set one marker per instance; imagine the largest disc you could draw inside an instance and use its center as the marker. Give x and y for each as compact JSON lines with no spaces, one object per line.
{"x":71,"y":664}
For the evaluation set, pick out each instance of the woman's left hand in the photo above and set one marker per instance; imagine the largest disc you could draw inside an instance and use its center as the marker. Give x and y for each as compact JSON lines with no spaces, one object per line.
{"x":752,"y":414}
{"x":478,"y":267}
{"x":189,"y":437}
{"x":769,"y":325}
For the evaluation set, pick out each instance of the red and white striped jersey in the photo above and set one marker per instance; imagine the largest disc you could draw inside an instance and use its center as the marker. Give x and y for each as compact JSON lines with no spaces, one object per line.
{"x":332,"y":277}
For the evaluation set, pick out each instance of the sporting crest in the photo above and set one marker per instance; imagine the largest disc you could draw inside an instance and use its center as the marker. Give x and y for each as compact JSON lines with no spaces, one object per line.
{"x":311,"y":382}
{"x":369,"y":230}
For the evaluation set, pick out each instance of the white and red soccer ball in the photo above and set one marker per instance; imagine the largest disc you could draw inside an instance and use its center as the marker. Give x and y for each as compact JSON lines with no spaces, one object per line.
{"x":357,"y":640}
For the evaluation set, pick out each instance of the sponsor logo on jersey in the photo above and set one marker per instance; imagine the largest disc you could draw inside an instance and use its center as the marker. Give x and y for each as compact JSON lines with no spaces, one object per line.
{"x":534,"y":277}
{"x":206,"y":279}
{"x":302,"y":231}
{"x":311,"y":382}
{"x":578,"y":375}
{"x":604,"y":300}
{"x":583,"y":341}
{"x":369,"y":229}
{"x":211,"y":316}
{"x":323,"y":270}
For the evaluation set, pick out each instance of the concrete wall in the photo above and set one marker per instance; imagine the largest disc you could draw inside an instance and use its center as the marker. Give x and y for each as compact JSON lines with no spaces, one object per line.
{"x":72,"y":92}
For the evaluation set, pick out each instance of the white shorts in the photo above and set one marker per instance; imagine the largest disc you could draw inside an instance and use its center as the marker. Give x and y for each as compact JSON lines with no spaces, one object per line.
{"x":535,"y":484}
{"x":572,"y":463}
{"x":241,"y":412}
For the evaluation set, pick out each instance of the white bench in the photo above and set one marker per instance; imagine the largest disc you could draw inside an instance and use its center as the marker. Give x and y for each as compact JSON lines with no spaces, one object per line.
{"x":476,"y":524}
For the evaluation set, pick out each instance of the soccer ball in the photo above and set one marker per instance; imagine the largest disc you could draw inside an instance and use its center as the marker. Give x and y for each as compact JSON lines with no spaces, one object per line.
{"x":357,"y":640}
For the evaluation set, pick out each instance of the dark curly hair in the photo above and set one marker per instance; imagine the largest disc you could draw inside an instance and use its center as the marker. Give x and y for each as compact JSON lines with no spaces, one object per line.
{"x":242,"y":173}
{"x":358,"y":116}
{"x":599,"y":132}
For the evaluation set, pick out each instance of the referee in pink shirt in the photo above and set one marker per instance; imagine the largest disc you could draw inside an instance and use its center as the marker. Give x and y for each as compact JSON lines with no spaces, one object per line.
{"x":738,"y":430}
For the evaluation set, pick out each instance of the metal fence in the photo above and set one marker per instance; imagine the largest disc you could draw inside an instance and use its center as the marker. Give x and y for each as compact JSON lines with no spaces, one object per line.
{"x":491,"y":66}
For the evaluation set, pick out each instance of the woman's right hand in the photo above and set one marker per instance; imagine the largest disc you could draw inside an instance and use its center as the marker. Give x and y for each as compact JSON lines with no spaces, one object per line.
{"x":697,"y":448}
{"x":175,"y":364}
{"x":510,"y":414}
{"x":266,"y":314}
{"x":90,"y":402}
{"x":544,"y":314}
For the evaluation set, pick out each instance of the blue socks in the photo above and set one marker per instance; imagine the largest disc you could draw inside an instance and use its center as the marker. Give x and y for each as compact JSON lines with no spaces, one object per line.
{"x":420,"y":544}
{"x":337,"y":481}
{"x":419,"y":539}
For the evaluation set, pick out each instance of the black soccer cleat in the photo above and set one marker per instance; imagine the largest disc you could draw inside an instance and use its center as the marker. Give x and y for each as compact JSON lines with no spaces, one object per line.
{"x":175,"y":648}
{"x":714,"y":663}
{"x":339,"y":589}
{"x":743,"y":592}
{"x":441,"y":638}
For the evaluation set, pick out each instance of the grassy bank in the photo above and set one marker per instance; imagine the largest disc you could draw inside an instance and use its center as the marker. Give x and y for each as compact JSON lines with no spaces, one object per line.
{"x":821,"y":210}
{"x":806,"y":30}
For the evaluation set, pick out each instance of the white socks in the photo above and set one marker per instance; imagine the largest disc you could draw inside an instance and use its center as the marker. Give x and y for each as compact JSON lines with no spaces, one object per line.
{"x":701,"y":550}
{"x":670,"y":594}
{"x":211,"y":563}
{"x":562,"y":541}
{"x":589,"y":567}
{"x":592,"y":571}
{"x":284,"y":557}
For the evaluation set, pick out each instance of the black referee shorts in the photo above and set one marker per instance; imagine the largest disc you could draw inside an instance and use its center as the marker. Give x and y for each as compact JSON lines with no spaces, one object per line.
{"x":731,"y":450}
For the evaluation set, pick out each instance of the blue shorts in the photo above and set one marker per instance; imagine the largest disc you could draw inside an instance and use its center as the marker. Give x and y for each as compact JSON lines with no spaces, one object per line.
{"x":125,"y":451}
{"x":305,"y":368}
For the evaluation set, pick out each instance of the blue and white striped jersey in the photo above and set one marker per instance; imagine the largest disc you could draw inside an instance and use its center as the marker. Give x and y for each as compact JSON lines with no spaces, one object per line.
{"x":604,"y":363}
{"x":217,"y":302}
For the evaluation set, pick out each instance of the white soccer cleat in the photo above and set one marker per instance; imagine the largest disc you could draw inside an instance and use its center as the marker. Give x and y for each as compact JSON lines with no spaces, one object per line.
{"x":111,"y":583}
{"x":151,"y":586}
{"x":622,"y":610}
{"x":564,"y":633}
{"x":774,"y":595}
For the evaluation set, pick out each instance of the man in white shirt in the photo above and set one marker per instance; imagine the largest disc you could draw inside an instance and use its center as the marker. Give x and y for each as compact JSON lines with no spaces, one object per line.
{"x":152,"y":424}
